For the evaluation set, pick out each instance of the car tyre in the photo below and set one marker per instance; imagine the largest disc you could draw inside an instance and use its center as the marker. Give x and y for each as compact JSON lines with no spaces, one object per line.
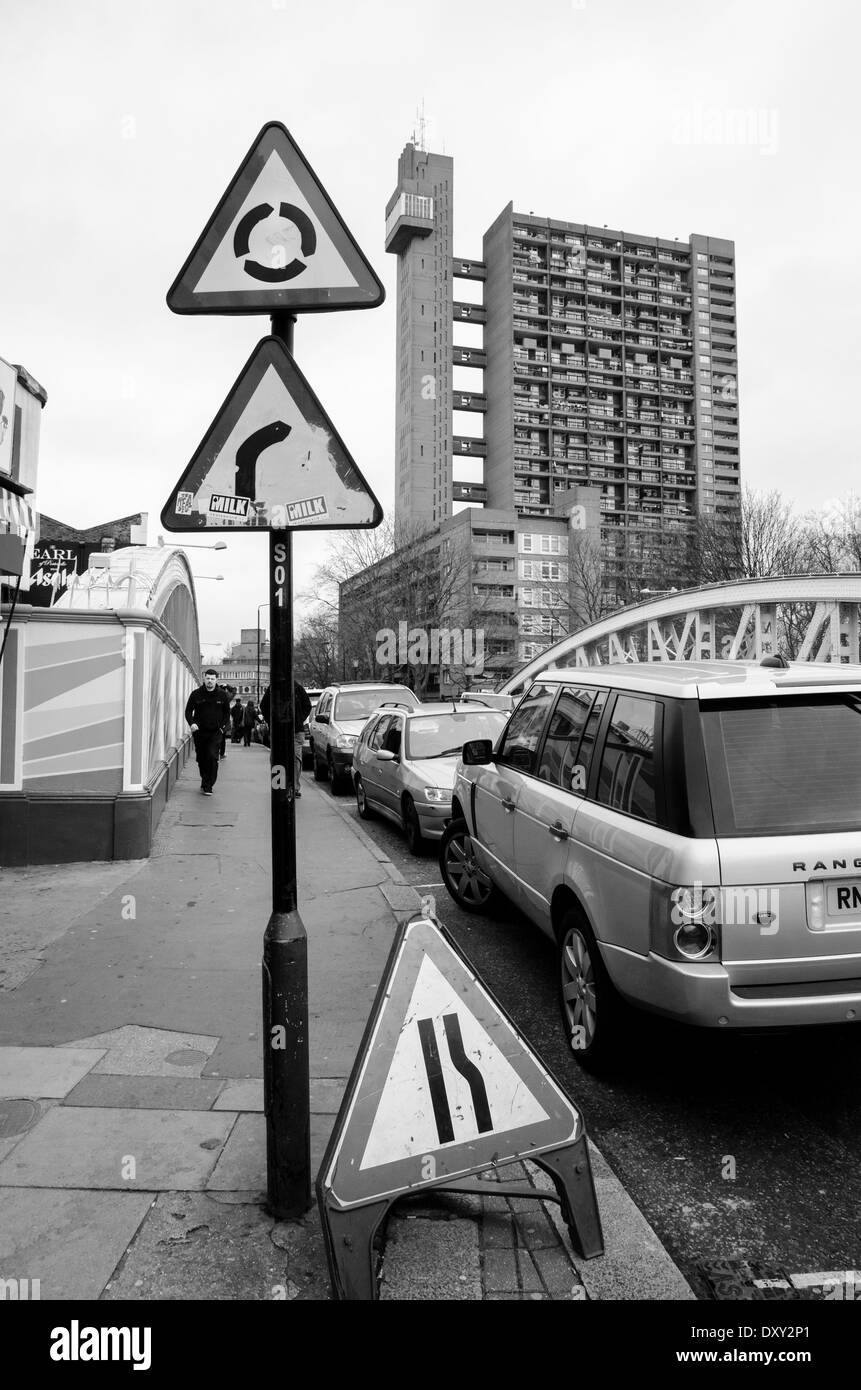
{"x":468,"y":885}
{"x":412,"y":827}
{"x":336,"y":785}
{"x":594,"y":1016}
{"x":364,"y":810}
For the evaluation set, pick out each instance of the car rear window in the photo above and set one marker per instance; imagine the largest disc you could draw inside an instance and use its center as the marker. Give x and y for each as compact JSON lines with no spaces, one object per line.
{"x":786,"y":765}
{"x":626,"y":777}
{"x":443,"y":735}
{"x":360,"y":704}
{"x":558,"y":763}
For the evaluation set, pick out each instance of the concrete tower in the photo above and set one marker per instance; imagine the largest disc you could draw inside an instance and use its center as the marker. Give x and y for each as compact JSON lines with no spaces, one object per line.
{"x":419,"y":233}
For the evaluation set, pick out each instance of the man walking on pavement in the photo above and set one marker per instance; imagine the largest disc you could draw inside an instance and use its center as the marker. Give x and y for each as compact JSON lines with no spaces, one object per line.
{"x":301,"y":710}
{"x":229,"y":692}
{"x":249,"y":719}
{"x":208,"y":714}
{"x":236,"y":716}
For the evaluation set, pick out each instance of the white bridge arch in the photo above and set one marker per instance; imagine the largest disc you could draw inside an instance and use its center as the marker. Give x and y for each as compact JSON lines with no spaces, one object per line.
{"x":805,"y":617}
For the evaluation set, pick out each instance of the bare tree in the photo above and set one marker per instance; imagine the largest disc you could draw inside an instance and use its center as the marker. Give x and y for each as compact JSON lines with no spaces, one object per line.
{"x":834,"y":537}
{"x":766,"y":538}
{"x":315,"y":652}
{"x":397,"y":579}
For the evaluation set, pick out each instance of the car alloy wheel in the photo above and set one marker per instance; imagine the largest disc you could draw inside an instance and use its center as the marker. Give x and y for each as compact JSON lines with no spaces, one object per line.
{"x":412,"y":827}
{"x":595,"y":1016}
{"x":468,"y":884}
{"x":579,"y":1003}
{"x":362,"y":806}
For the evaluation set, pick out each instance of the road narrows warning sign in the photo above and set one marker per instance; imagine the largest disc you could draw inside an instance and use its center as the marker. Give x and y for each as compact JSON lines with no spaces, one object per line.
{"x":275,"y":243}
{"x":271,"y":460}
{"x":443,"y":1075}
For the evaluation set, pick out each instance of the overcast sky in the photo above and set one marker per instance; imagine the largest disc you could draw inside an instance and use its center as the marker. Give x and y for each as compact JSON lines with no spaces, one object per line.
{"x":121,"y":124}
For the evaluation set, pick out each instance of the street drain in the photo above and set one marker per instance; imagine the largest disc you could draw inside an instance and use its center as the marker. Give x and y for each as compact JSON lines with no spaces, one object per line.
{"x":16,"y":1117}
{"x":186,"y":1057}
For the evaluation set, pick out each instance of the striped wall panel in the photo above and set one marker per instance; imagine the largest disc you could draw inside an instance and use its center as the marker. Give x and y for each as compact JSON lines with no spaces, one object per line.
{"x":73,"y":708}
{"x":9,"y":708}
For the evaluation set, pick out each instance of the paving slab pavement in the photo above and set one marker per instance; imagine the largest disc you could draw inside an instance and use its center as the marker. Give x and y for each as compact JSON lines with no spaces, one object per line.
{"x":132,"y":1161}
{"x":67,"y":1239}
{"x":44,"y":1071}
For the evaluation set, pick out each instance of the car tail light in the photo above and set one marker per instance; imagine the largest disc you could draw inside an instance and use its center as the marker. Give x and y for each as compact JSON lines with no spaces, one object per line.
{"x":685,"y":922}
{"x":817,"y":911}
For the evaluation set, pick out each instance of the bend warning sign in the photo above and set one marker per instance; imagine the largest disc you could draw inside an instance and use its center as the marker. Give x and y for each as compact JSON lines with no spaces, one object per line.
{"x":275,"y":242}
{"x":271,"y":460}
{"x":444,"y":1084}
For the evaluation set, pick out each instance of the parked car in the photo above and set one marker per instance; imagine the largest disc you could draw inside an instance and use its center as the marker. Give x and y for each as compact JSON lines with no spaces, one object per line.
{"x":404,"y":763}
{"x":341,"y":714}
{"x":689,"y":834}
{"x":307,"y":755}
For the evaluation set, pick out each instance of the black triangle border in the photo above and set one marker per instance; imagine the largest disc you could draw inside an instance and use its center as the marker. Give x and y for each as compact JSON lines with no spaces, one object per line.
{"x":181,"y":299}
{"x":265,"y":354}
{"x":381,"y":1182}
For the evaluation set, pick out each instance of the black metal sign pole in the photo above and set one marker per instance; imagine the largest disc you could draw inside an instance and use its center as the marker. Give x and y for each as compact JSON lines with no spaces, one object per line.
{"x":286,"y":1083}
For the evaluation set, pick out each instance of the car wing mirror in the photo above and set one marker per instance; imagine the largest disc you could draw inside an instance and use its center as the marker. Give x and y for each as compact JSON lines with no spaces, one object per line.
{"x":385,"y":755}
{"x":322,"y":718}
{"x":477,"y":752}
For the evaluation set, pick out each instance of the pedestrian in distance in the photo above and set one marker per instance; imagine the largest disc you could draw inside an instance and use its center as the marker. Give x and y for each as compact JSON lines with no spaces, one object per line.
{"x":301,"y":710}
{"x":236,"y":712}
{"x":208,"y":714}
{"x":229,"y":692}
{"x":249,"y":719}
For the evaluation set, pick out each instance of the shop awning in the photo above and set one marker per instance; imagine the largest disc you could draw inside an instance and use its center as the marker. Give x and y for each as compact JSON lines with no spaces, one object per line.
{"x":16,"y":512}
{"x":17,"y":524}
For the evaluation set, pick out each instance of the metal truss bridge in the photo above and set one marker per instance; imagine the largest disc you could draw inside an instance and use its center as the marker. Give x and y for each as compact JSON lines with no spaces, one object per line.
{"x":802,"y":617}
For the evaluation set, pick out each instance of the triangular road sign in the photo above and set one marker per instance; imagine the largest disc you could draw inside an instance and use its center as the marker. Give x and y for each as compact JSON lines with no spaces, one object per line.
{"x":444,"y":1084}
{"x":276,"y":242}
{"x":271,"y":460}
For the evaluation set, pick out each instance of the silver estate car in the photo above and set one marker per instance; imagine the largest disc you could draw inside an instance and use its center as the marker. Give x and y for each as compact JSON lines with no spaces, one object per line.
{"x":404,"y":763}
{"x":689,"y":834}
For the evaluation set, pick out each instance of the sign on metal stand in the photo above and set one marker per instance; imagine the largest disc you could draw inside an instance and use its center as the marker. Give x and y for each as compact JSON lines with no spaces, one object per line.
{"x":272,"y":460}
{"x":444,"y":1086}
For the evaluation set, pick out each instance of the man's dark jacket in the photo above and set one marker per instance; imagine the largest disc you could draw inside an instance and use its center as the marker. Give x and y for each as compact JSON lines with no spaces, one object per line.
{"x":208,"y":709}
{"x":301,"y":706}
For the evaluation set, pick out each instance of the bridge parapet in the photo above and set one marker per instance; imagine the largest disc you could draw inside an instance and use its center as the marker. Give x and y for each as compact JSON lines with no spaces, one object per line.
{"x":803,"y":617}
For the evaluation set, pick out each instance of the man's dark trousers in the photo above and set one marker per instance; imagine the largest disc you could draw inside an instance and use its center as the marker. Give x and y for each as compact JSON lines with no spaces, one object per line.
{"x":207,"y":747}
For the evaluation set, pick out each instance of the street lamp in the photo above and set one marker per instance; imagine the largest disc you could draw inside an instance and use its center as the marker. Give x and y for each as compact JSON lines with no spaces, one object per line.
{"x":260,"y":608}
{"x":192,"y":545}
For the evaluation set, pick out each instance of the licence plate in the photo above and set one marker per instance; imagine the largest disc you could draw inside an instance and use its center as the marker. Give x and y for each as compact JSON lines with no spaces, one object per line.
{"x":844,"y":898}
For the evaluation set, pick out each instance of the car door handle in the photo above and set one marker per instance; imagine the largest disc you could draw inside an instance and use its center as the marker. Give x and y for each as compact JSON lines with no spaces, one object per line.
{"x":558,"y":831}
{"x":507,"y":805}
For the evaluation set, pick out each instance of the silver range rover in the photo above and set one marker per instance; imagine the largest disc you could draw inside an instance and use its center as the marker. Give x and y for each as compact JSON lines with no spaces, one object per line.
{"x":689,"y":834}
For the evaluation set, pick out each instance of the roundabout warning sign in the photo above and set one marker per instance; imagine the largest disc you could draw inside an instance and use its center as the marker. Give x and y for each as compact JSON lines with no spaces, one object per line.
{"x":275,"y":243}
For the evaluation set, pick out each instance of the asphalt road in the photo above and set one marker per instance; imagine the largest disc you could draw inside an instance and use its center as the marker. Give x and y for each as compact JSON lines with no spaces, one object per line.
{"x":689,"y":1107}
